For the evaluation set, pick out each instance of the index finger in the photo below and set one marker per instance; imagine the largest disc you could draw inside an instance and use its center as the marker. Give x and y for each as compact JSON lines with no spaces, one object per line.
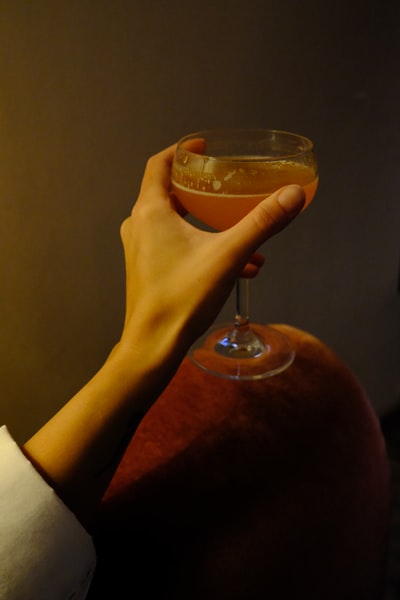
{"x":158,"y":170}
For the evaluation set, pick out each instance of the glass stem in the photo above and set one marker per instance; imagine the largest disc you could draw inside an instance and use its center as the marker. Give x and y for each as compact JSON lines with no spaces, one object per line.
{"x":242,"y":304}
{"x":241,"y":341}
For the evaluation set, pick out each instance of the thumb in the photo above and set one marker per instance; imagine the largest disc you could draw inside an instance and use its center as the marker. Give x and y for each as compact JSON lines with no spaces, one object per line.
{"x":268,"y":218}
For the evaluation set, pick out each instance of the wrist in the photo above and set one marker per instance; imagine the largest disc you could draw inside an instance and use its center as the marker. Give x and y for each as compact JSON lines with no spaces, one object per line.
{"x":144,"y":365}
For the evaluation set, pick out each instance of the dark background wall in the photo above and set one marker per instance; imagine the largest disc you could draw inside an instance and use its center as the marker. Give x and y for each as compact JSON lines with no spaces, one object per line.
{"x":89,"y":89}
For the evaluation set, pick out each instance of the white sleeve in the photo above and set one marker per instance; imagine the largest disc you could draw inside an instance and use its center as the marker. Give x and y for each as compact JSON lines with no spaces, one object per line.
{"x":45,"y":553}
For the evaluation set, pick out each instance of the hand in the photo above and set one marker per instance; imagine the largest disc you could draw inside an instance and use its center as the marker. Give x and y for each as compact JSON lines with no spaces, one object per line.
{"x":177,"y":276}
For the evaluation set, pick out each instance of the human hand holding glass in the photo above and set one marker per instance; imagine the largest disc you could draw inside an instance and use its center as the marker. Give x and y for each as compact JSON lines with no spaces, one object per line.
{"x":218,"y":176}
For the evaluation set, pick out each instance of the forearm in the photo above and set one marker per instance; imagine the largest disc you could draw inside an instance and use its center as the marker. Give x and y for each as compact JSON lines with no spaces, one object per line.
{"x":78,"y":450}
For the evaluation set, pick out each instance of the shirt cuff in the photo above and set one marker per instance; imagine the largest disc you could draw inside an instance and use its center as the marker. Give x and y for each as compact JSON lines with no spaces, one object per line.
{"x":44,"y":551}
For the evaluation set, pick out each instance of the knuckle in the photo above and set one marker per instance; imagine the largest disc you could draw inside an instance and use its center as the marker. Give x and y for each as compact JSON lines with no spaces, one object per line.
{"x":268,"y":218}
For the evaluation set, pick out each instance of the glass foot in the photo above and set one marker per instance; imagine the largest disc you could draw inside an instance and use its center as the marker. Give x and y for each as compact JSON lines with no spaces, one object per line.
{"x":258,"y":352}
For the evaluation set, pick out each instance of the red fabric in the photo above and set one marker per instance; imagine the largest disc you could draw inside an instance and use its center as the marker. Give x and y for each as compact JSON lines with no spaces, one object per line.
{"x":243,"y":490}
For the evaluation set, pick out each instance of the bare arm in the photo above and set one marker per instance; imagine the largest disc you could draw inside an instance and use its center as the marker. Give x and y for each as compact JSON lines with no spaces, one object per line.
{"x":78,"y":450}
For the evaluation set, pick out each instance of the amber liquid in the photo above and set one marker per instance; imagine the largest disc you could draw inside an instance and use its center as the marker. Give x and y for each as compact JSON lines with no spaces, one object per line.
{"x":220,"y":196}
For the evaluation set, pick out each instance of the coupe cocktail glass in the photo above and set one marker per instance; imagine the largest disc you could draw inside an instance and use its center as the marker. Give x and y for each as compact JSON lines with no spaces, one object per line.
{"x":219,"y":184}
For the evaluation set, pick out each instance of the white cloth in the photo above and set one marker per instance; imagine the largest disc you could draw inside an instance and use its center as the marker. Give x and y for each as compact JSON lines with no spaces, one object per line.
{"x":45,"y":553}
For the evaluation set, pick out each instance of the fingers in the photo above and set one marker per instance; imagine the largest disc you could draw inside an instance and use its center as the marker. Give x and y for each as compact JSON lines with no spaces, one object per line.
{"x":250,"y":271}
{"x":257,"y":259}
{"x":291,"y":199}
{"x":234,"y":245}
{"x":196,"y":145}
{"x":158,"y":167}
{"x":158,"y":170}
{"x":268,"y":218}
{"x":254,"y":264}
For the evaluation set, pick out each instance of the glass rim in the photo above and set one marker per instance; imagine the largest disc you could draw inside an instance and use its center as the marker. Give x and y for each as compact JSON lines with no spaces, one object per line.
{"x":203,"y":133}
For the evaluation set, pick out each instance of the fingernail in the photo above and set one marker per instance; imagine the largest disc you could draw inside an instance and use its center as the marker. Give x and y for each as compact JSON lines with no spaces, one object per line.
{"x":291,"y":198}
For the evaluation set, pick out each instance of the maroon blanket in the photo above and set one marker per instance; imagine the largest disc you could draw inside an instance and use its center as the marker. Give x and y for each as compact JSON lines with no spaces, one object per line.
{"x":251,"y":490}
